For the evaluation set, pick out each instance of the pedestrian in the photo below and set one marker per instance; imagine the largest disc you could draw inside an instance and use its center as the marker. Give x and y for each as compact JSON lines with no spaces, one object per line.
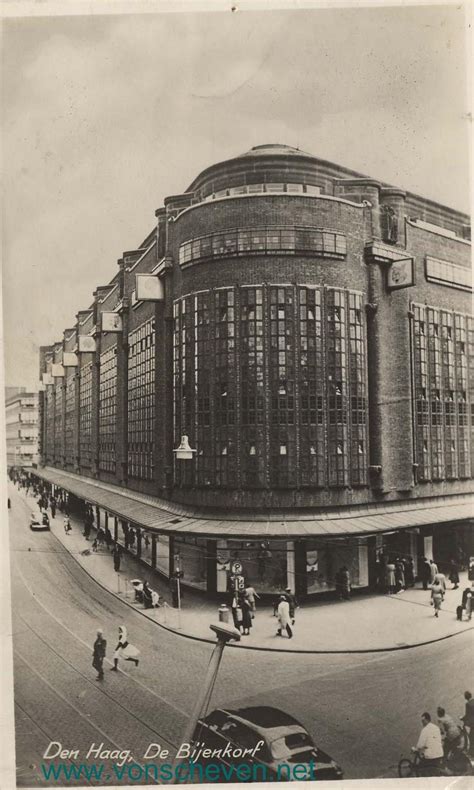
{"x":450,"y":731}
{"x":94,"y":545}
{"x":425,"y":572}
{"x":237,"y":613}
{"x":108,"y":538}
{"x":87,"y":527}
{"x":100,"y":646}
{"x":381,"y":572}
{"x":468,"y":718}
{"x":440,"y":578}
{"x":399,"y":575}
{"x":246,"y":607}
{"x":469,"y":604}
{"x":252,"y":595}
{"x":67,"y":525}
{"x":124,"y":650}
{"x":409,"y":572}
{"x":117,"y":555}
{"x":293,"y":603}
{"x":100,"y":537}
{"x":52,"y":504}
{"x":454,"y":574}
{"x":284,"y":617}
{"x":390,"y":577}
{"x":436,"y":597}
{"x":466,"y":604}
{"x":147,"y":596}
{"x":433,"y":570}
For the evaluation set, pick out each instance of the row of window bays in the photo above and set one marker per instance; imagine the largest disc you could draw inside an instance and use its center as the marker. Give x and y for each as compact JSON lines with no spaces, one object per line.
{"x":443,"y":367}
{"x":262,"y":360}
{"x":271,"y":358}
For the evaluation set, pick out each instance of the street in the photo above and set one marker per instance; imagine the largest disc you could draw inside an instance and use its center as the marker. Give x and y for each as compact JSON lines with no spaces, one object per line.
{"x":364,"y":710}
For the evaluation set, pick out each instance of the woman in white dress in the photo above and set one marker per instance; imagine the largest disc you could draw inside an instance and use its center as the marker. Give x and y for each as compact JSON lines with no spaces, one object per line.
{"x":124,"y":649}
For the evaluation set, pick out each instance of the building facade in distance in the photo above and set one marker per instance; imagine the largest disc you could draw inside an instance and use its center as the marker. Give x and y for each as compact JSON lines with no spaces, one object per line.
{"x":306,"y":329}
{"x":21,"y":427}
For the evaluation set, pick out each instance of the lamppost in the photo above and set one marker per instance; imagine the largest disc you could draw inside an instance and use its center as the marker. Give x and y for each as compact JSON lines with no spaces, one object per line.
{"x":225,"y":633}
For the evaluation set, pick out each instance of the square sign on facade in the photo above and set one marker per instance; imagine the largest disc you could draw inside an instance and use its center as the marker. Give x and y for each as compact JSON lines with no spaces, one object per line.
{"x":69,"y":359}
{"x":86,"y":344}
{"x":111,"y":322}
{"x":401,"y":274}
{"x":149,"y":288}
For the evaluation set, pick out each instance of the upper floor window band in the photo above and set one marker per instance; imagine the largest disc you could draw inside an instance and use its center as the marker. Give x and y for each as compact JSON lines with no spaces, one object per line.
{"x":265,"y":240}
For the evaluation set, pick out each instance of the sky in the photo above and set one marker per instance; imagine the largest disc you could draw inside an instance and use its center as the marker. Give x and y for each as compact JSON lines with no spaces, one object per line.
{"x":104,"y":116}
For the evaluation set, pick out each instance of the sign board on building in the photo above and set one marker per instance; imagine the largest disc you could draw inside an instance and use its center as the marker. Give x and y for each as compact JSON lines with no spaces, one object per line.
{"x":239,"y":583}
{"x":47,"y":378}
{"x":57,"y":370}
{"x":111,"y":322}
{"x":149,"y":288}
{"x":69,"y":359}
{"x":401,"y":274}
{"x":86,"y":344}
{"x":236,"y":567}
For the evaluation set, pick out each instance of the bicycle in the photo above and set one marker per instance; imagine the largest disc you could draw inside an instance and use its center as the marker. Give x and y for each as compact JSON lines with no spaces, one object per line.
{"x":455,"y":763}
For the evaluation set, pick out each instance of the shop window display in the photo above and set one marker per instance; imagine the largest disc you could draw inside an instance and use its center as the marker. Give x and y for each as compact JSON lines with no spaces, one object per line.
{"x":264,"y":564}
{"x":193,"y":558}
{"x":325,"y":559}
{"x":163,"y":554}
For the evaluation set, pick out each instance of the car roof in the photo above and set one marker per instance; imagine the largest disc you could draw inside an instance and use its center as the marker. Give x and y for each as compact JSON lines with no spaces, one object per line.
{"x":265,"y":717}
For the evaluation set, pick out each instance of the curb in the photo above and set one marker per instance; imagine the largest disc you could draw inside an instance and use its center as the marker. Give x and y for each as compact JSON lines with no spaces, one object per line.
{"x":345,"y":651}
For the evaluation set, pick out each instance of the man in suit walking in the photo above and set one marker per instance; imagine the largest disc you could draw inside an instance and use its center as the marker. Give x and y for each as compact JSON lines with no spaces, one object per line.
{"x":100,"y":646}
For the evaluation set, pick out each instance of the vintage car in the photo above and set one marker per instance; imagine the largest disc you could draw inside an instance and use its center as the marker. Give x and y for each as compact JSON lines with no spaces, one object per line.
{"x":39,"y":521}
{"x":285,"y":741}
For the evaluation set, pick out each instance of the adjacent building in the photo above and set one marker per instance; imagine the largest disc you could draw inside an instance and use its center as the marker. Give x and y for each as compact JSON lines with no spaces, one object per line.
{"x":21,"y":427}
{"x":281,"y":376}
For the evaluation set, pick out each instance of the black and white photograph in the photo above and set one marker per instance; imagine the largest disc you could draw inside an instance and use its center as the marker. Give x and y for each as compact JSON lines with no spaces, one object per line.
{"x":237,"y":540}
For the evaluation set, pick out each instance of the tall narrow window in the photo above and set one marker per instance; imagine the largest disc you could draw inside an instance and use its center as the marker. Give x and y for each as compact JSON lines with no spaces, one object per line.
{"x":70,"y":433}
{"x":337,"y":383}
{"x":282,"y":387}
{"x":85,"y":415}
{"x":108,"y":409}
{"x":441,"y":393}
{"x":253,"y":389}
{"x":141,"y":401}
{"x":312,"y":462}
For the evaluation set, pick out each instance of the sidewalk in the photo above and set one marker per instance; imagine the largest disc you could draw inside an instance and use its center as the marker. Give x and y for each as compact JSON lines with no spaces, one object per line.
{"x":365,"y":624}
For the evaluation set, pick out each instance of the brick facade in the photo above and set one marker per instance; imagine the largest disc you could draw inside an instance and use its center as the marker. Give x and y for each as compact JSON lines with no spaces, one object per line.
{"x":279,"y":214}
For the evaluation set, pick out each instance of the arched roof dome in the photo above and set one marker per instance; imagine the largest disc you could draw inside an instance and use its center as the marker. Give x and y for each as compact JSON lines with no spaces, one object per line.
{"x":273,"y":149}
{"x":271,"y":162}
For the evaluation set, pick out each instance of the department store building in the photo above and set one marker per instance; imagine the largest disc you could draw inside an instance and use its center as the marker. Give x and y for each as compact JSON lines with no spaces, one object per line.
{"x":280,"y":374}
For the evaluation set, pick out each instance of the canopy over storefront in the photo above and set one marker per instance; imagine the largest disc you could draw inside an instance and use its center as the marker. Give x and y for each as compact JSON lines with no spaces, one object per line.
{"x":173,"y":519}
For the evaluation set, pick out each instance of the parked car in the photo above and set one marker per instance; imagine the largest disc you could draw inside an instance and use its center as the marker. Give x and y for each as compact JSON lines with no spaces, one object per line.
{"x":285,"y":740}
{"x":39,"y":521}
